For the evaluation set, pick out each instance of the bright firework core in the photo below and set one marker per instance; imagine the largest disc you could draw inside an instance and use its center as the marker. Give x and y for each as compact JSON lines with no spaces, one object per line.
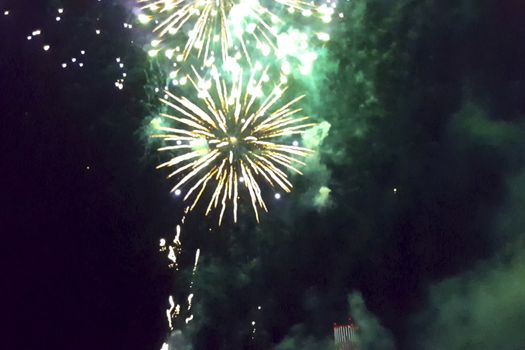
{"x":234,"y":141}
{"x":230,"y":138}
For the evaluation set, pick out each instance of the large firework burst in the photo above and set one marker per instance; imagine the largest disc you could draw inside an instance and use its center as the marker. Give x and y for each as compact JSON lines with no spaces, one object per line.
{"x":228,"y":26}
{"x":229,"y":138}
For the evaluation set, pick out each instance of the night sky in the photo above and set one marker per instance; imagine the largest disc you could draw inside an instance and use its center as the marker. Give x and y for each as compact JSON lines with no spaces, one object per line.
{"x":420,"y":238}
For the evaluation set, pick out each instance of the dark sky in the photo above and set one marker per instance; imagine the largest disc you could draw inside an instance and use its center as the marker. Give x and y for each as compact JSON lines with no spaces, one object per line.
{"x":82,"y":268}
{"x":424,"y":161}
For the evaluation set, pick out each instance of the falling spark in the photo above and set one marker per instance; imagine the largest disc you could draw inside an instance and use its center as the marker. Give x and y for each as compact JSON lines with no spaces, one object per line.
{"x":174,"y":249}
{"x":176,"y":240}
{"x":190,"y":298}
{"x":197,"y":255}
{"x":231,"y":132}
{"x":170,"y":310}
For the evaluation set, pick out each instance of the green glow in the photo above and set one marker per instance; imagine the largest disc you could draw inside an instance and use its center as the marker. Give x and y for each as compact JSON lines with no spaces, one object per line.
{"x":323,"y":36}
{"x":156,"y":123}
{"x":144,"y":19}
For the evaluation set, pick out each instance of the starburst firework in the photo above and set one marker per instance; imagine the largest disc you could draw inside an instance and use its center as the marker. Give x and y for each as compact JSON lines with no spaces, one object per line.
{"x":229,"y":139}
{"x":228,"y":26}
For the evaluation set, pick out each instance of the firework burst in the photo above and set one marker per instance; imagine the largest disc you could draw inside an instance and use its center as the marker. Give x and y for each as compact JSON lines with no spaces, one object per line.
{"x":228,"y":139}
{"x":228,"y":26}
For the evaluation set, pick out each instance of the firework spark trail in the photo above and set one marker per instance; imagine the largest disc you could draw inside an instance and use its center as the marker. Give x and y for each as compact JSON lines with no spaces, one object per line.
{"x":172,"y":312}
{"x":174,"y":250}
{"x":228,"y":140}
{"x":229,"y":26}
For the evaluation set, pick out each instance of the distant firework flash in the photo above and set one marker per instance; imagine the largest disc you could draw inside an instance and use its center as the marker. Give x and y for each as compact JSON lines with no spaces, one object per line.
{"x":228,"y":139}
{"x":231,"y":26}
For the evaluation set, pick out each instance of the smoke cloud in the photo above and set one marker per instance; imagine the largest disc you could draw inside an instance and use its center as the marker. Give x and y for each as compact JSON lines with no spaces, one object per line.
{"x":315,"y":170}
{"x":480,"y":309}
{"x":177,"y":341}
{"x":297,"y":340}
{"x":371,"y":334}
{"x":483,"y":308}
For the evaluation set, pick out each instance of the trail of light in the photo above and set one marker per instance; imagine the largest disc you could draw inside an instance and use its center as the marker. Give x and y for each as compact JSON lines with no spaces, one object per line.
{"x":197,"y":255}
{"x":174,"y":249}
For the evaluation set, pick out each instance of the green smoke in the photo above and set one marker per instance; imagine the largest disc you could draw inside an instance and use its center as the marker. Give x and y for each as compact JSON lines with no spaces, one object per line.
{"x":317,"y":173}
{"x":483,"y":308}
{"x":371,"y":335}
{"x":298,"y":340}
{"x":394,"y":110}
{"x":480,"y":309}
